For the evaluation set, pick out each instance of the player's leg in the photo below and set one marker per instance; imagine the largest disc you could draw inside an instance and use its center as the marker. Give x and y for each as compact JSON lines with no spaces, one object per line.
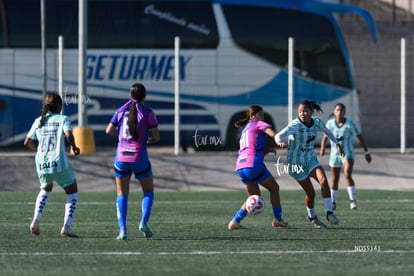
{"x":41,"y":201}
{"x":147,"y":185}
{"x":70,"y":209}
{"x":271,"y":185}
{"x":251,"y":189}
{"x":319,"y":174}
{"x":350,"y":184}
{"x":122,"y":188}
{"x":335,"y":172}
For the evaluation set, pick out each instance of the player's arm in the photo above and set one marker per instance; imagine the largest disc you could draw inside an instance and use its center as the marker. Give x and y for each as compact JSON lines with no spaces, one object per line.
{"x":30,"y":144}
{"x":111,"y":129}
{"x":270,"y":149}
{"x":71,"y":139}
{"x":155,"y":135}
{"x":323,"y":144}
{"x":365,"y":147}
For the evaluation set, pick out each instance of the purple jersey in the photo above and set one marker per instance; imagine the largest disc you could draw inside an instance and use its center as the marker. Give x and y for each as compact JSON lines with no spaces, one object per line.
{"x":252,"y":143}
{"x":130,"y":150}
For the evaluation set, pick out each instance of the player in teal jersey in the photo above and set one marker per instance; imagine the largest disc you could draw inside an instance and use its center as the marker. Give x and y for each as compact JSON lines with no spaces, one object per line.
{"x":302,"y":160}
{"x":46,"y":137}
{"x":344,"y":130}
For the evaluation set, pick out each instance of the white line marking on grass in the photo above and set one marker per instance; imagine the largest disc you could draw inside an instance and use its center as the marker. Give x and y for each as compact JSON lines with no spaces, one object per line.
{"x":196,"y":253}
{"x":178,"y":202}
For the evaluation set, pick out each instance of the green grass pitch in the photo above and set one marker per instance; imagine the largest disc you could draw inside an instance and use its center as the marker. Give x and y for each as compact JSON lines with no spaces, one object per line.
{"x":191,"y":236}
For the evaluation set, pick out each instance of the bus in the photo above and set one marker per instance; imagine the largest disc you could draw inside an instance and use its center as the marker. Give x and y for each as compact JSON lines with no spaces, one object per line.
{"x":233,"y":53}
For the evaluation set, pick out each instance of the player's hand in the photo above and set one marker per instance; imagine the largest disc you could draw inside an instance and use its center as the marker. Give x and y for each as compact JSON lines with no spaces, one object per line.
{"x":281,"y":144}
{"x":322,"y":151}
{"x":75,"y":150}
{"x":341,"y":151}
{"x":368,"y":157}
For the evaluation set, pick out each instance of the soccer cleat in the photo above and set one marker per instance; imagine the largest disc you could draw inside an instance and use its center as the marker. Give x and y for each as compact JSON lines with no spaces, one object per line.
{"x":122,"y":236}
{"x":67,"y":232}
{"x":34,"y":228}
{"x":282,"y":223}
{"x":331,"y":218}
{"x":235,"y":226}
{"x":353,"y":205}
{"x":333,"y":205}
{"x":317,"y":223}
{"x":145,"y":230}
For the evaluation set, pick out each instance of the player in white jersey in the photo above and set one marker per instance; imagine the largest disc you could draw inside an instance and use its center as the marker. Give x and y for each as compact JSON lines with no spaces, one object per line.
{"x":302,"y":160}
{"x":47,"y":137}
{"x":344,"y":130}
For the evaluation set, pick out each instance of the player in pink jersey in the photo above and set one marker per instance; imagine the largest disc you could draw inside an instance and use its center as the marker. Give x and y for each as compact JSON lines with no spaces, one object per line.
{"x":132,"y":123}
{"x":250,"y":164}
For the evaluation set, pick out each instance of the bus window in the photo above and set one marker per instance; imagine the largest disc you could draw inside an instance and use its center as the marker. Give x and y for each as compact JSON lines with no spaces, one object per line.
{"x":317,"y":50}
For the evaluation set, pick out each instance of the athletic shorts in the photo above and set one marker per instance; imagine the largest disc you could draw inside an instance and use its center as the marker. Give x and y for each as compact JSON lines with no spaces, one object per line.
{"x":303,"y":170}
{"x":253,"y":175}
{"x":64,"y":178}
{"x":336,"y":161}
{"x":142,"y":169}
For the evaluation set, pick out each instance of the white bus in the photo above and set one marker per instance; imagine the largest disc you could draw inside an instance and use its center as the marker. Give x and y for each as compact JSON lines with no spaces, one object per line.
{"x":234,"y":53}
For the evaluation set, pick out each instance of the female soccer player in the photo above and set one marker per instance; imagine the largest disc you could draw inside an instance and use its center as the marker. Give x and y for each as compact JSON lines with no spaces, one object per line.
{"x":250,"y":165}
{"x":133,"y":122}
{"x":303,"y":163}
{"x":52,"y":164}
{"x":343,"y":129}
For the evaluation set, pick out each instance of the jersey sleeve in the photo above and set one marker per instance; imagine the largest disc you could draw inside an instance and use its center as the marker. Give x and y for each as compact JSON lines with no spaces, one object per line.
{"x":32,"y":132}
{"x":354,"y":129}
{"x":152,"y":120}
{"x":66,"y":124}
{"x":325,"y":130}
{"x":115,"y":118}
{"x":285,"y":132}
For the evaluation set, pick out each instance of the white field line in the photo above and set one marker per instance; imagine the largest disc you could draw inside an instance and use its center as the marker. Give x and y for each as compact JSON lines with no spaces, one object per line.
{"x":197,"y":253}
{"x":200,"y":202}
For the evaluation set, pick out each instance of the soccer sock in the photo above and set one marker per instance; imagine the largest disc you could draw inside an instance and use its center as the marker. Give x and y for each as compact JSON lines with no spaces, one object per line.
{"x":351,"y":192}
{"x":147,"y":202}
{"x":70,"y":208}
{"x":240,"y":215}
{"x":122,"y":212}
{"x":40,"y":204}
{"x":333,"y":195}
{"x":328,"y":204}
{"x":311,"y":212}
{"x":277,"y":212}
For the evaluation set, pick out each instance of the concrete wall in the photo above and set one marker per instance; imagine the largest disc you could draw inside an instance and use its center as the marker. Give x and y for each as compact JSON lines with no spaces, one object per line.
{"x":377,"y":76}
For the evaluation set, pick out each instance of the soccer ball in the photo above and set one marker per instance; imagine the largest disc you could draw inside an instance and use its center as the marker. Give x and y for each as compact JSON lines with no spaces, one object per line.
{"x":255,"y":204}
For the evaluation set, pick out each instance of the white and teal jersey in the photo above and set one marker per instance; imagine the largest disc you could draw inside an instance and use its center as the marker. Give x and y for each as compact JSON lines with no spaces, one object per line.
{"x":301,"y":139}
{"x":344,"y":136}
{"x":51,"y":153}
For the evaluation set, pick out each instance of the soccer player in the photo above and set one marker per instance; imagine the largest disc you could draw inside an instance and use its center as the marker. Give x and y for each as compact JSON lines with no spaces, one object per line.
{"x":303,"y":163}
{"x":133,"y":122}
{"x":46,"y":137}
{"x":250,"y":165}
{"x":344,"y":130}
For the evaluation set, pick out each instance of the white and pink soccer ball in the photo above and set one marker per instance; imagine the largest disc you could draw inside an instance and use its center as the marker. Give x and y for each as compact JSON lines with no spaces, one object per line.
{"x":255,"y":204}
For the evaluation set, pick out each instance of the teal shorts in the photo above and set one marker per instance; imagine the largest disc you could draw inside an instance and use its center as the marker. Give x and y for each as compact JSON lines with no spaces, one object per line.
{"x":301,"y":171}
{"x":64,"y":178}
{"x":336,"y":161}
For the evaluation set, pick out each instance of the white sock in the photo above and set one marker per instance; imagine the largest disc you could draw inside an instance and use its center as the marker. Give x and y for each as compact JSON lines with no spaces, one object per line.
{"x":327,"y":201}
{"x":40,"y":204}
{"x":333,"y":195}
{"x":311,"y":212}
{"x":351,"y":192}
{"x":70,"y":208}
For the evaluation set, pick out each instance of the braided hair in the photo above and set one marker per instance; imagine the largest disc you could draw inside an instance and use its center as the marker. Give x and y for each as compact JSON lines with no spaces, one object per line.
{"x":53,"y":103}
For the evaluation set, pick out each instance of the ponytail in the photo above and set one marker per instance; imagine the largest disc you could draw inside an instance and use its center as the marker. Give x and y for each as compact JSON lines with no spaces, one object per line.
{"x":133,"y":122}
{"x":312,"y":105}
